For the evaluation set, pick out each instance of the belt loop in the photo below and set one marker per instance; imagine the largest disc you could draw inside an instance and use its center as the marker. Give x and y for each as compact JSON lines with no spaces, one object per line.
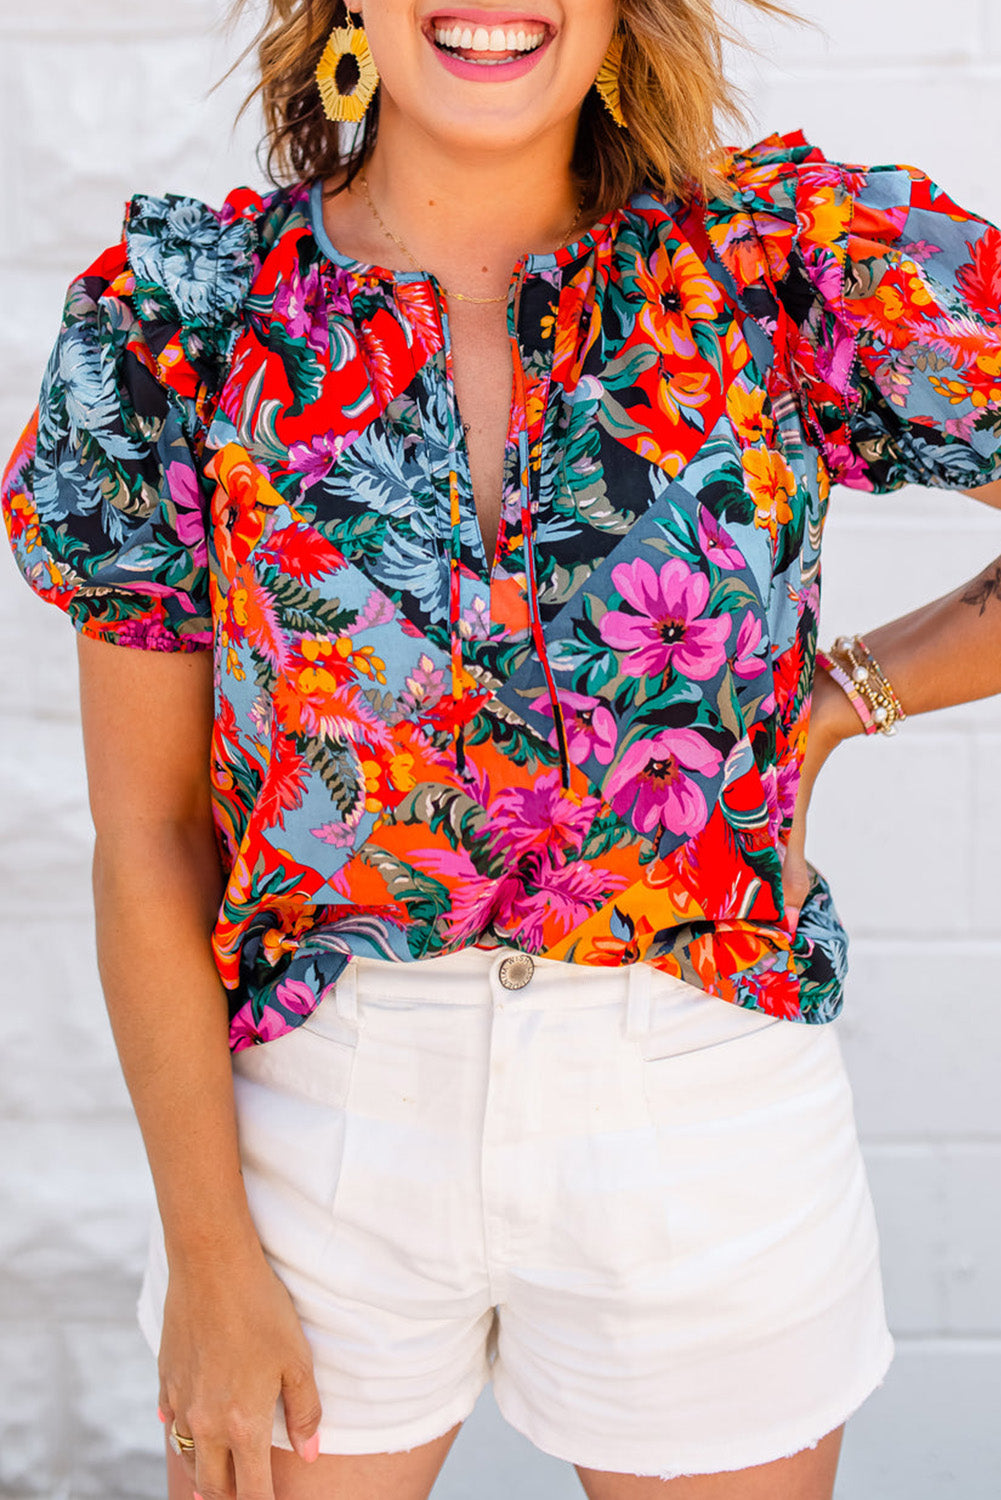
{"x":346,"y":992}
{"x":638,"y":1000}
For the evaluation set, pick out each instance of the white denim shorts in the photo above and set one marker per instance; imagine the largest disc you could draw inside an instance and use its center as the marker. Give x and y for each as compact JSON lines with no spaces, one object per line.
{"x":639,"y":1211}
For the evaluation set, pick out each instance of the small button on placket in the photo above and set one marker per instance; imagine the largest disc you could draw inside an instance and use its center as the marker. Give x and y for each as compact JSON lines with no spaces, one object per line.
{"x":516,"y":971}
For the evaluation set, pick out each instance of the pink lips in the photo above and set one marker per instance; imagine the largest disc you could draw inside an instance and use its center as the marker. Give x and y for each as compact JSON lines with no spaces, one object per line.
{"x":485,"y":72}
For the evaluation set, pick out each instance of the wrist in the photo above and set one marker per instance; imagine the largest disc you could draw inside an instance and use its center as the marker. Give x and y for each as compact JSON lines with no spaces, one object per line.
{"x":213,"y":1244}
{"x":832,"y":717}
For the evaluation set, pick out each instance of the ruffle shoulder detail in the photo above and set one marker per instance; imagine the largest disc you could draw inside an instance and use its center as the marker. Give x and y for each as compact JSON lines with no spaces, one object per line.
{"x":105,"y":499}
{"x":193,"y":267}
{"x":880,"y":295}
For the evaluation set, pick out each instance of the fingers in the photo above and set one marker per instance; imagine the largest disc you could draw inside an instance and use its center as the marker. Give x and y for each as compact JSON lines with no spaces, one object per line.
{"x":164,"y":1409}
{"x":212,"y":1472}
{"x":302,"y":1409}
{"x":253,"y":1473}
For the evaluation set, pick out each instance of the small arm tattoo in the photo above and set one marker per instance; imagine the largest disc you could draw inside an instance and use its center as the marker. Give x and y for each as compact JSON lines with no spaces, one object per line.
{"x":980,"y":593}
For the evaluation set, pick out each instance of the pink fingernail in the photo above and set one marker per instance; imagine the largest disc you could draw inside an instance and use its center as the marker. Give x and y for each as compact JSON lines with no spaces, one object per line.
{"x":159,"y":1412}
{"x":195,"y":1495}
{"x":311,"y":1448}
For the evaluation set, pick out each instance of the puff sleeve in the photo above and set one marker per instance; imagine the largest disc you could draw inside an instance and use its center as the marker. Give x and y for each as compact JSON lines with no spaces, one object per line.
{"x":883,"y":299}
{"x":104,"y":498}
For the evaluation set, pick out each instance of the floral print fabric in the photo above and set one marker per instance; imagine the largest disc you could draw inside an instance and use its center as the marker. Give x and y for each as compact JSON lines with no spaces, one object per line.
{"x":590,"y":750}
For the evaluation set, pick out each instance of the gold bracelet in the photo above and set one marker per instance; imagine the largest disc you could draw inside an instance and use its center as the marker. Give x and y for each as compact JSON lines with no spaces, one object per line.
{"x":868,"y":683}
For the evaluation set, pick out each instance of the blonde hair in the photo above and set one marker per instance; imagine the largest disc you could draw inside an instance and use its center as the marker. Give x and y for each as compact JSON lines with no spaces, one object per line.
{"x":674,"y":92}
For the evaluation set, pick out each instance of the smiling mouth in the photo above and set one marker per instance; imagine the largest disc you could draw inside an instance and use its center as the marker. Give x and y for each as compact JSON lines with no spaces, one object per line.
{"x":488,"y":46}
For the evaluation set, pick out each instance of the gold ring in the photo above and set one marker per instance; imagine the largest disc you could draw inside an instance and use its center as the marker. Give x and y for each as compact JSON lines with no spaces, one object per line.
{"x":180,"y":1443}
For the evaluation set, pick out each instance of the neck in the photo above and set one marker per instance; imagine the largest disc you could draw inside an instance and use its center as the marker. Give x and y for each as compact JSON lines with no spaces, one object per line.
{"x":472,"y":215}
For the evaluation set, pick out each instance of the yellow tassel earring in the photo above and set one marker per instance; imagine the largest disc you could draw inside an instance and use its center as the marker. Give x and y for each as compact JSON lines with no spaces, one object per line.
{"x":346,"y":74}
{"x":607,"y":81}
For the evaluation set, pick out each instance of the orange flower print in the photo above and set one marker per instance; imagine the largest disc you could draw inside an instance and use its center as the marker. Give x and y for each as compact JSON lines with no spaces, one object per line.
{"x":746,"y":410}
{"x":625,"y":943}
{"x":771,"y":484}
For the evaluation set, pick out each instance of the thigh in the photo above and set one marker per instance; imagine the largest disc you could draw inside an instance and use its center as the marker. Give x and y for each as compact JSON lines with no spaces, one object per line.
{"x":808,"y":1475}
{"x":407,"y":1475}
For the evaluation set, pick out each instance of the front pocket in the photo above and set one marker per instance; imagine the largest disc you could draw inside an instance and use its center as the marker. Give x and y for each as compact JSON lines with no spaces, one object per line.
{"x":744,"y":1063}
{"x":292,"y":1097}
{"x":684,"y":1020}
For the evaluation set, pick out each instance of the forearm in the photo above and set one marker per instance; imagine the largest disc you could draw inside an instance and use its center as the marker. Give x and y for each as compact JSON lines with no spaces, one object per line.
{"x":947,"y":652}
{"x":944,"y":653}
{"x":156,"y":892}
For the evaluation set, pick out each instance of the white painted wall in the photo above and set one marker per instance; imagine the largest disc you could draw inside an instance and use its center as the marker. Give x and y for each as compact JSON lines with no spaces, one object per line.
{"x":103,"y":99}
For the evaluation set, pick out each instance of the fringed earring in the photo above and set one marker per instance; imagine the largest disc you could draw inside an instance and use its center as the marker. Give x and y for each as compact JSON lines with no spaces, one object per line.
{"x":346,"y":74}
{"x":607,"y":81}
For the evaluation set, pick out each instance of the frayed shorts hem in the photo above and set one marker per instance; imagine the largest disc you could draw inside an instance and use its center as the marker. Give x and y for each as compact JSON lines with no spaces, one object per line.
{"x":734,"y":1455}
{"x":400,"y":1439}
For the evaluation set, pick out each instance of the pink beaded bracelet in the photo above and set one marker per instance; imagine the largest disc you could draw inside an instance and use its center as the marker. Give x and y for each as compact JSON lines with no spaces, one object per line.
{"x":841,"y":677}
{"x":853,"y":667}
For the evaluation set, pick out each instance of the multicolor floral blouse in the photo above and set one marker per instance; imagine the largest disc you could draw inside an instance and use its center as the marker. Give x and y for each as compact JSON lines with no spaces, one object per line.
{"x":589,"y":750}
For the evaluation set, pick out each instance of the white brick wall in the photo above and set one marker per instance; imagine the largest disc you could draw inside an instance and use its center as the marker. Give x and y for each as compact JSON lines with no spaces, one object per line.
{"x":106,"y":99}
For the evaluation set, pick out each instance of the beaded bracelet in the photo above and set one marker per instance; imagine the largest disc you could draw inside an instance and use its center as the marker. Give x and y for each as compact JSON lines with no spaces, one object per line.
{"x":853,"y":667}
{"x":841,"y":677}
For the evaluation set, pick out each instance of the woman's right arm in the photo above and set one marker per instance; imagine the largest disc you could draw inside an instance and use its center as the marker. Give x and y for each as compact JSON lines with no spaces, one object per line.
{"x":232,"y":1344}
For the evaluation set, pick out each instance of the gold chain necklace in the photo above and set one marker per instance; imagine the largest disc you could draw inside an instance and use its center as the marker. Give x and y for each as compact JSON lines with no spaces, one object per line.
{"x":456,"y":296}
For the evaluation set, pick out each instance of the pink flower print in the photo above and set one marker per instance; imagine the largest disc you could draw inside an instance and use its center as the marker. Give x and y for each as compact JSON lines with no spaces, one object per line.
{"x":246,"y":1032}
{"x":524,"y":820}
{"x":650,"y":774}
{"x":423,"y":687}
{"x":589,"y":724}
{"x":316,"y":458}
{"x":296,"y":996}
{"x":718,"y":546}
{"x":747,"y":663}
{"x":340,"y":835}
{"x":474,"y":621}
{"x":781,"y":784}
{"x":563,"y":896}
{"x":300,"y":305}
{"x":668,"y":629}
{"x":182,"y":484}
{"x":377,"y":610}
{"x":475,"y":898}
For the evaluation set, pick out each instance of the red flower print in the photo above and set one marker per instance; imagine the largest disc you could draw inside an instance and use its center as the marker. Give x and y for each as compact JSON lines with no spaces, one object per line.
{"x":302,"y":552}
{"x":285,"y":782}
{"x":980,"y":279}
{"x":777,"y":994}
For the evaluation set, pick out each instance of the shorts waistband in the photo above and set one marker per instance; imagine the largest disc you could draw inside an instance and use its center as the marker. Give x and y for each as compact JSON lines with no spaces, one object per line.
{"x":474,"y":977}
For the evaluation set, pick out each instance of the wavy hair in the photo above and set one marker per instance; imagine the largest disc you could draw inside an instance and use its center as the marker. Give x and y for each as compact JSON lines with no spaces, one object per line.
{"x":673,"y":87}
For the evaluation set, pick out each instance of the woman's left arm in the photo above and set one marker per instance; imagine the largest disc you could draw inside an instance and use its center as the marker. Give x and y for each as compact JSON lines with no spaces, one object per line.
{"x":942,"y":654}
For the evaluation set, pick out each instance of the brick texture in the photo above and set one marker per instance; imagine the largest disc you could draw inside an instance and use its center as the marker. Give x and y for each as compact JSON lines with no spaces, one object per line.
{"x":100,"y":101}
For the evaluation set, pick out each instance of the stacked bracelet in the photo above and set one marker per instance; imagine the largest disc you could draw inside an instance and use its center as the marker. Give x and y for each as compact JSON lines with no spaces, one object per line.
{"x":857,"y":672}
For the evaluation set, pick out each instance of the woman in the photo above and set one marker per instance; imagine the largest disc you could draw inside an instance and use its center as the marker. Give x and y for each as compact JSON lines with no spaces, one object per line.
{"x":490,"y":695}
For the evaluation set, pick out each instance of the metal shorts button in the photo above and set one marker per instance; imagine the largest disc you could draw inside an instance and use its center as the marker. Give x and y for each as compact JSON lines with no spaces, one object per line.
{"x":516,"y":971}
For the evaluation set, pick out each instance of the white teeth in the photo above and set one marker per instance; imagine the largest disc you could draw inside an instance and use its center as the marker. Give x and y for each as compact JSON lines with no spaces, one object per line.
{"x":479,"y":39}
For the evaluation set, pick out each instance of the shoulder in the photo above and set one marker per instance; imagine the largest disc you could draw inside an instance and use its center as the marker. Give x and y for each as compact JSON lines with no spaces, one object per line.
{"x":794,"y":201}
{"x":194,"y":265}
